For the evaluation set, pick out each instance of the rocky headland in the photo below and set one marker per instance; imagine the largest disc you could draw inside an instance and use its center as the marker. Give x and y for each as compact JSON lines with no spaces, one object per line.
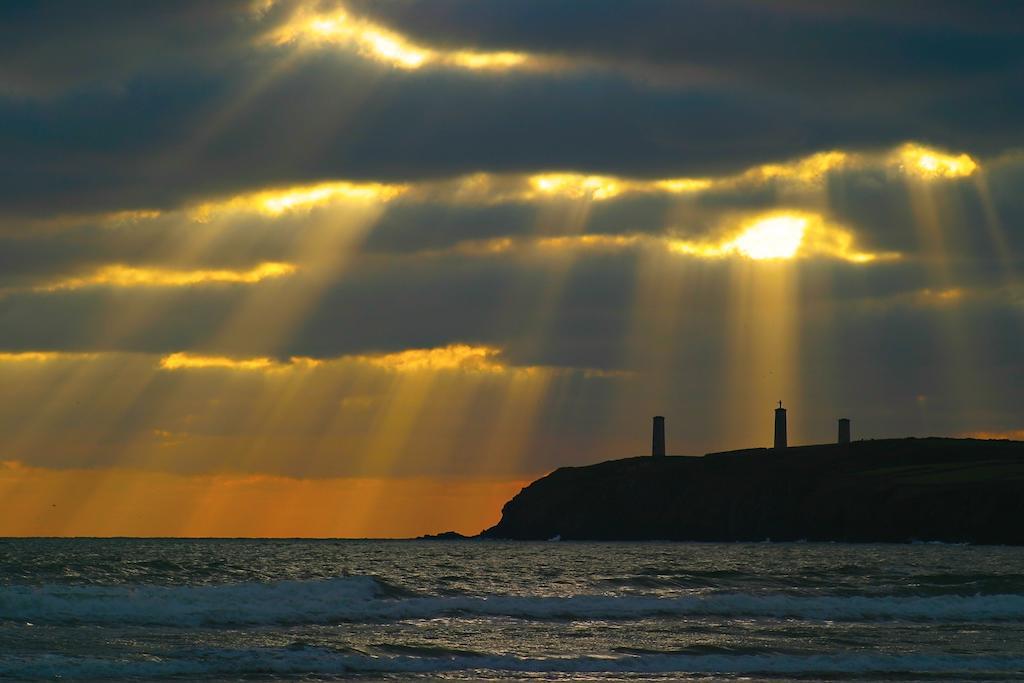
{"x":894,"y":490}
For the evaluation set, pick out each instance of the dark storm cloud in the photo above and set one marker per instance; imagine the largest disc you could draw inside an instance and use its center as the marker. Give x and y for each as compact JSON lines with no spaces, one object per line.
{"x":834,"y":47}
{"x":81,"y":320}
{"x":44,"y":256}
{"x":404,"y":305}
{"x":407,"y":227}
{"x":149,"y":105}
{"x":49,"y":47}
{"x":490,"y":301}
{"x":410,"y":226}
{"x":336,"y":117}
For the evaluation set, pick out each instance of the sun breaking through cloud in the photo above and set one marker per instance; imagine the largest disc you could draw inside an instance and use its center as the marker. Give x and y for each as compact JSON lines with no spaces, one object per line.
{"x":287,"y":241}
{"x":927,"y":163}
{"x":783,"y":236}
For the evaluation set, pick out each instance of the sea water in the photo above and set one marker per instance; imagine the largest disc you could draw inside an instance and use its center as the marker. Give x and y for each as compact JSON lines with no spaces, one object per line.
{"x":95,"y":609}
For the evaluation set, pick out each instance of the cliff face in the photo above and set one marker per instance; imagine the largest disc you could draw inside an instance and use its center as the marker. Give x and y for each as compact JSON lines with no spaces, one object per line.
{"x":949,"y":490}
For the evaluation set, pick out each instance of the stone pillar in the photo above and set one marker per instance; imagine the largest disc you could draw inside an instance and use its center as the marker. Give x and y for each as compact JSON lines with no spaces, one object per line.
{"x":658,"y":439}
{"x":780,"y":427}
{"x":844,"y":431}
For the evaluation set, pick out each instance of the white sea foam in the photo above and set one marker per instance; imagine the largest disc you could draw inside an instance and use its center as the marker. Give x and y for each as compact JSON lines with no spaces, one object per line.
{"x":364,"y":598}
{"x":278,"y":661}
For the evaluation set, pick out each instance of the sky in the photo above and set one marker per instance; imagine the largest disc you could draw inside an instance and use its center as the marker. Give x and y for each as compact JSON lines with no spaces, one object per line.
{"x":367,"y":268}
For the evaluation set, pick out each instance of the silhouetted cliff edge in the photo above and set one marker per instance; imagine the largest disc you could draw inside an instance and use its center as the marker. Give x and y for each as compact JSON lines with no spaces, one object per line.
{"x":896,"y":490}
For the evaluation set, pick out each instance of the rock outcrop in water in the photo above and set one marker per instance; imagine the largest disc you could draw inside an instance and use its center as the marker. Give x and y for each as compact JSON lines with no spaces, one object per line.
{"x":444,"y":536}
{"x":951,"y":490}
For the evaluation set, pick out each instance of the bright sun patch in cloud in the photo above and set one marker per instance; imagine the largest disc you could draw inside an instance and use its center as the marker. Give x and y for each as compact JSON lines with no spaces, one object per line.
{"x":928,"y":163}
{"x":118,"y":275}
{"x":778,"y":237}
{"x":373,"y":41}
{"x":782,"y":236}
{"x":576,"y":186}
{"x":772,"y":237}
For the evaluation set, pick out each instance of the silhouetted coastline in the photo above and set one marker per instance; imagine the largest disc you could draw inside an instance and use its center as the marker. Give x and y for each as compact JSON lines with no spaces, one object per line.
{"x":893,"y":490}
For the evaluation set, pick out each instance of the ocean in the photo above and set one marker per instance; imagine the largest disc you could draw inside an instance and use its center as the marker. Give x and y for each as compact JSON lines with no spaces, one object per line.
{"x":115,"y":609}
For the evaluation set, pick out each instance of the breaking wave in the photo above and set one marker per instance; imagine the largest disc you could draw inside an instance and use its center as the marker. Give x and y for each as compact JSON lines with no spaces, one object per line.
{"x":366,"y":598}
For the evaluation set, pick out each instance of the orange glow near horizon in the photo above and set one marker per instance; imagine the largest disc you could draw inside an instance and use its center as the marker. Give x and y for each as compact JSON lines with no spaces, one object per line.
{"x":126,"y":502}
{"x":1009,"y":434}
{"x":401,"y":424}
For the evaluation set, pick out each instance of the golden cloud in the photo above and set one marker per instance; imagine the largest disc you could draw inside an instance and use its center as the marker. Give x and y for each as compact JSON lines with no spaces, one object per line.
{"x":462,"y":357}
{"x":342,"y":29}
{"x":119,"y":275}
{"x":928,"y":163}
{"x":911,"y":159}
{"x":277,"y":201}
{"x":782,"y":236}
{"x":43,"y":356}
{"x":452,"y":357}
{"x":189,"y":361}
